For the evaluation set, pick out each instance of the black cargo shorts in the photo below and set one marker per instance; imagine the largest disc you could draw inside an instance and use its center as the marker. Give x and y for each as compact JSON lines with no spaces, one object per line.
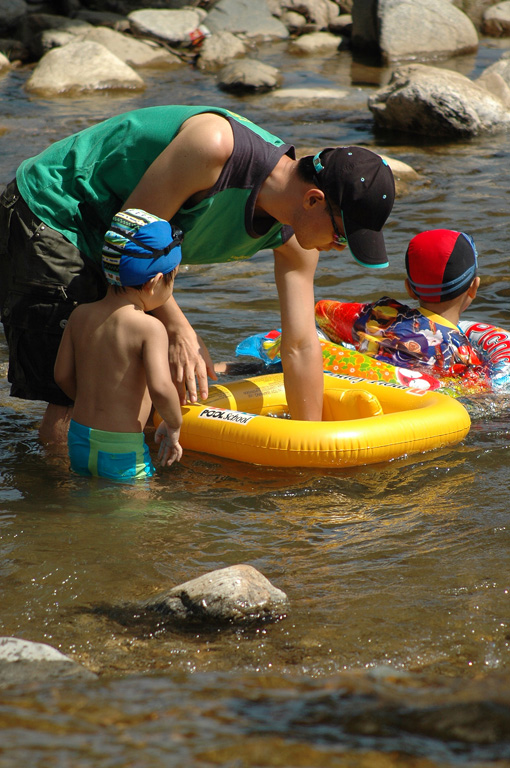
{"x":42,"y":278}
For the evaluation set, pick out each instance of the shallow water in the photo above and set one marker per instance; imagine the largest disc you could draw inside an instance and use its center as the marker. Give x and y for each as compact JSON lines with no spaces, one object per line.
{"x":395,"y":649}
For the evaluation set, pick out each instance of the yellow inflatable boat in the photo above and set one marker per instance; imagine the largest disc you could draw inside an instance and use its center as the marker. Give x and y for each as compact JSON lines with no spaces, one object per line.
{"x":364,"y":422}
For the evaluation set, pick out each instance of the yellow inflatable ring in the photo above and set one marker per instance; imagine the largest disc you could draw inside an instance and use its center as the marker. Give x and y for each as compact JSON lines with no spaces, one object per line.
{"x":365,"y":422}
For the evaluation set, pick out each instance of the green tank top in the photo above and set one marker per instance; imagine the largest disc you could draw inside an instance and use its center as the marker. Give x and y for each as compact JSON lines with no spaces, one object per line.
{"x":77,"y":184}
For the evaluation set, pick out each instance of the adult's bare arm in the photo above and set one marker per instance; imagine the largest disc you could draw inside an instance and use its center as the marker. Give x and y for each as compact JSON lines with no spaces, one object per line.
{"x":190,"y":362}
{"x":187,"y":167}
{"x":300,"y":349}
{"x":183,"y":172}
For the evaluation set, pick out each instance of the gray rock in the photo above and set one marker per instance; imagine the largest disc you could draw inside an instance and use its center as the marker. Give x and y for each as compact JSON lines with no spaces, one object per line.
{"x":497,"y":85}
{"x":321,"y":13}
{"x":229,"y":595}
{"x":365,"y":34}
{"x":496,"y":20}
{"x":276,"y":7}
{"x":49,"y":39}
{"x":136,"y":53}
{"x":23,"y":662}
{"x":296,"y":22}
{"x":424,"y":29}
{"x":218,"y":49}
{"x":4,"y":62}
{"x":252,"y":19}
{"x":437,"y":102}
{"x":14,"y":49}
{"x":294,"y":98}
{"x":474,"y":9}
{"x":249,"y":75}
{"x":501,"y":67}
{"x":177,"y":27}
{"x":401,"y":171}
{"x":79,"y":67}
{"x":316,"y":42}
{"x":11,"y":12}
{"x":342,"y":25}
{"x":103,"y":19}
{"x":41,"y":32}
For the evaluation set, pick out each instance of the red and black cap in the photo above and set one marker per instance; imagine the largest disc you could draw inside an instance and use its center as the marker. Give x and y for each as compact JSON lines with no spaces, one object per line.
{"x":441,"y":264}
{"x":360,"y":183}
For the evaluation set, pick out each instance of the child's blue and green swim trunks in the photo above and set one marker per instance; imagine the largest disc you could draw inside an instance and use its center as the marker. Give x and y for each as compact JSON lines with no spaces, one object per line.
{"x":114,"y":455}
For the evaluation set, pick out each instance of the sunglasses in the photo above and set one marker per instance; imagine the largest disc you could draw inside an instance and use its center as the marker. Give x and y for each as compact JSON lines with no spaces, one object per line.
{"x":338,"y":239}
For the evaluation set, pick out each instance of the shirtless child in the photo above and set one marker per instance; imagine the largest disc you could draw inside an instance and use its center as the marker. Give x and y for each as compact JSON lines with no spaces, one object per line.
{"x":113,"y":357}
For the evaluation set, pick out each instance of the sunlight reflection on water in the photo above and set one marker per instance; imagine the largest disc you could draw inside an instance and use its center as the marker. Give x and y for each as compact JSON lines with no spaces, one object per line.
{"x":396,"y":573}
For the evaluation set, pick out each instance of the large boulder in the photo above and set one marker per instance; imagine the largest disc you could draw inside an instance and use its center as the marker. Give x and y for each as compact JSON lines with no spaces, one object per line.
{"x":365,"y":32}
{"x":427,"y":29}
{"x":437,"y":102}
{"x":79,"y":67}
{"x":424,"y":29}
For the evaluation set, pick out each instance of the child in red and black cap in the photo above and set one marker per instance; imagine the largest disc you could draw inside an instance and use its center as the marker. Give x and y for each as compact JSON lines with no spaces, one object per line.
{"x":441,"y":267}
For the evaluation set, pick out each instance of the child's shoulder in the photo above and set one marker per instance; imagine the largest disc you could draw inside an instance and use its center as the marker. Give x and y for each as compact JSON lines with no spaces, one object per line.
{"x":80,"y":313}
{"x":146,"y":324}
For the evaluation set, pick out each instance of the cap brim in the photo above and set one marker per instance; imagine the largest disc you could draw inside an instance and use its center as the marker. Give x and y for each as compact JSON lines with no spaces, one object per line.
{"x":366,"y":245}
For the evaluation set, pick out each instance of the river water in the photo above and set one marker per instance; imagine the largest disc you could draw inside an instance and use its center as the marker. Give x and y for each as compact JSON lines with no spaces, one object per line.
{"x":395,"y":651}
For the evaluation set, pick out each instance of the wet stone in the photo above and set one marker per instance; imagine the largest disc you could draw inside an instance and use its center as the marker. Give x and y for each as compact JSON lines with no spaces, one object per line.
{"x":236,"y":594}
{"x":22,"y":662}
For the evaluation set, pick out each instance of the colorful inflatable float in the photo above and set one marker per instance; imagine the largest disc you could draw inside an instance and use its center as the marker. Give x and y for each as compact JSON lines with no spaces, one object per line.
{"x":489,"y":373}
{"x":364,"y":422}
{"x":486,"y":355}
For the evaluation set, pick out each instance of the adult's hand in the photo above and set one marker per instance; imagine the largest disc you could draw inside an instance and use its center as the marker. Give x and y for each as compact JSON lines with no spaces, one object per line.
{"x":190,"y":362}
{"x":190,"y":365}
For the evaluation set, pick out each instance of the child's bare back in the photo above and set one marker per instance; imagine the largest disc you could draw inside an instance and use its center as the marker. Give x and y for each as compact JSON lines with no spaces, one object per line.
{"x":117,"y":346}
{"x":113,"y":357}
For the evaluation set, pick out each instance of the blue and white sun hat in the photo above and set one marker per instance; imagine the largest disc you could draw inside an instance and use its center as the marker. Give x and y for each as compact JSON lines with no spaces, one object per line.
{"x":138,"y":246}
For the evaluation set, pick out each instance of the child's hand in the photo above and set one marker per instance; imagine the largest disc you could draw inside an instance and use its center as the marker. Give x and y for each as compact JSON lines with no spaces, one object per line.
{"x":169,"y":449}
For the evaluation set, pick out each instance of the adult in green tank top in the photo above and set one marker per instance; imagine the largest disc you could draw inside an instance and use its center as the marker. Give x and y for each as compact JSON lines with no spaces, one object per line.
{"x":230,"y":186}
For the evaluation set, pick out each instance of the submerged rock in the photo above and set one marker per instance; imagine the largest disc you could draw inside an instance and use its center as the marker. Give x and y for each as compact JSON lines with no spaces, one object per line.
{"x":22,"y":661}
{"x":249,"y":75}
{"x":315,"y":42}
{"x":229,"y":595}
